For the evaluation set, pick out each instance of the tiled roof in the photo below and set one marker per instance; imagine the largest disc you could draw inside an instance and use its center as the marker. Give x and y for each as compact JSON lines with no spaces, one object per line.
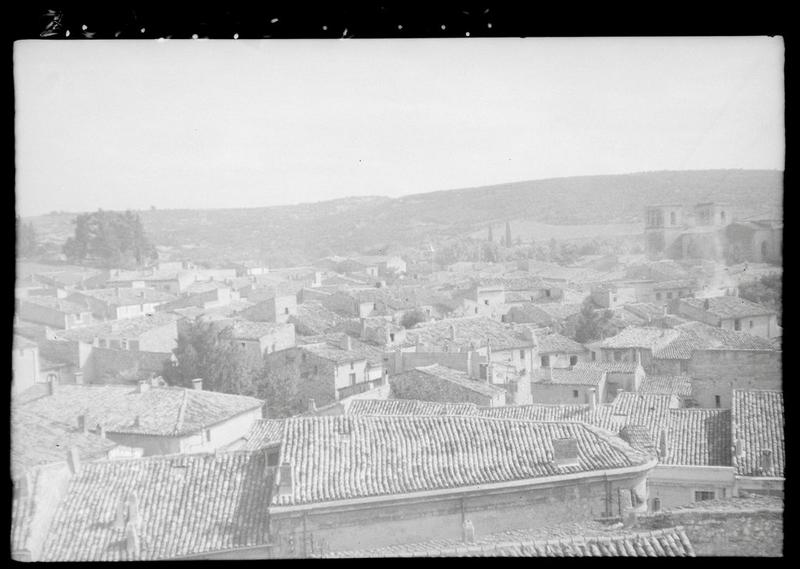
{"x":641,"y":337}
{"x":516,"y":283}
{"x":164,"y":411}
{"x":127,"y":296}
{"x":638,"y":437}
{"x":576,"y":376}
{"x":645,"y":310}
{"x":649,"y":410}
{"x":336,"y":341}
{"x":247,"y":330}
{"x":389,"y":455}
{"x":459,"y":378}
{"x":65,"y":306}
{"x":188,"y":504}
{"x":749,"y":503}
{"x":668,"y":542}
{"x":611,"y":367}
{"x":129,"y":328}
{"x":682,"y":347}
{"x":622,"y":317}
{"x":720,"y":338}
{"x":477,"y":330}
{"x":315,"y":317}
{"x":331,"y":352}
{"x":680,"y":385}
{"x":675,"y":284}
{"x":699,"y":437}
{"x":758,"y":425}
{"x":559,"y":311}
{"x":537,"y":412}
{"x":728,"y":306}
{"x":408,"y":407}
{"x":38,"y":440}
{"x":23,"y":343}
{"x":552,"y":342}
{"x":264,"y":433}
{"x":223,"y":312}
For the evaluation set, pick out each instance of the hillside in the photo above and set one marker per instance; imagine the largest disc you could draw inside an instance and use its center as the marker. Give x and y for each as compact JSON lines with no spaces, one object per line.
{"x":614,"y":204}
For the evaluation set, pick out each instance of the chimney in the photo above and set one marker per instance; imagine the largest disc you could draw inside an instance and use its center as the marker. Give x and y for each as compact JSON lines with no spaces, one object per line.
{"x":119,"y":515}
{"x":312,"y":406}
{"x":74,"y":460}
{"x":766,"y":461}
{"x":592,"y":398}
{"x":452,"y":332}
{"x":100,"y":430}
{"x":144,"y":386}
{"x":662,"y":444}
{"x":285,"y":486}
{"x":78,"y":377}
{"x":136,"y":421}
{"x":132,"y":541}
{"x":197,"y":383}
{"x":705,"y":304}
{"x":82,"y":424}
{"x":51,"y":387}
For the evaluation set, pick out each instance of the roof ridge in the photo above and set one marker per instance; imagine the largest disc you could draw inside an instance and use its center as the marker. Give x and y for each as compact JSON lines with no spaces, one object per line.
{"x":181,"y":411}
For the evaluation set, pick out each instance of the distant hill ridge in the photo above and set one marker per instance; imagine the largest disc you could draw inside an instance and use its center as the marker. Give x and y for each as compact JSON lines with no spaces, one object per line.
{"x":355,"y":223}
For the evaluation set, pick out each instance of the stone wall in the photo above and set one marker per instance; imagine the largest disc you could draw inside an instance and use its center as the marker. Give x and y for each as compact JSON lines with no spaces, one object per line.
{"x":726,"y":531}
{"x":408,"y":520}
{"x":718,"y":372}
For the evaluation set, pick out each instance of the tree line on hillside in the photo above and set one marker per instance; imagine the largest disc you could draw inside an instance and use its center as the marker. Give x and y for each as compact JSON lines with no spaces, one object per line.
{"x":767,"y":291}
{"x":109,"y":238}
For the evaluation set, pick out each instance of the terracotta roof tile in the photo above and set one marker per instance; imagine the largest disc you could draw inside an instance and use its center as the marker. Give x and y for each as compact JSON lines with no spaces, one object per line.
{"x":680,"y":385}
{"x":552,"y":342}
{"x":699,"y":437}
{"x":728,"y":306}
{"x":347,"y":457}
{"x":162,"y":411}
{"x":758,"y":425}
{"x":264,"y":433}
{"x":408,"y":407}
{"x":460,"y":379}
{"x":477,"y":330}
{"x":188,"y":504}
{"x":641,"y":337}
{"x":575,"y":376}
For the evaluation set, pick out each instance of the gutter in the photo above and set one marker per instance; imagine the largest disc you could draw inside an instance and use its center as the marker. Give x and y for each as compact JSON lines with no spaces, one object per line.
{"x":448,"y":492}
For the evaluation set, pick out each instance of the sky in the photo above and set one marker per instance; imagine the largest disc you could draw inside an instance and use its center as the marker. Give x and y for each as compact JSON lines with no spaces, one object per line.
{"x":239,"y":123}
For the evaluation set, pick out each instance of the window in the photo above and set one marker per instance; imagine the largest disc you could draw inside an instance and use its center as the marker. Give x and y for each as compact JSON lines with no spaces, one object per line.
{"x":351,"y":365}
{"x":391,"y":337}
{"x":476,"y":310}
{"x":656,"y":504}
{"x":545,"y":361}
{"x":79,"y":317}
{"x":594,"y":356}
{"x":546,"y":293}
{"x":486,"y":302}
{"x":722,"y":216}
{"x":352,"y":379}
{"x":717,"y":401}
{"x":244,"y":344}
{"x":617,"y":356}
{"x":751,"y":324}
{"x":669,"y":295}
{"x":102,"y":343}
{"x":672,"y":218}
{"x":684,"y":366}
{"x":702,"y":495}
{"x":573,"y":360}
{"x":124,"y":344}
{"x":658,"y":296}
{"x":286,"y":310}
{"x":737,"y":324}
{"x":522,"y":354}
{"x":208,"y":435}
{"x":575,"y":393}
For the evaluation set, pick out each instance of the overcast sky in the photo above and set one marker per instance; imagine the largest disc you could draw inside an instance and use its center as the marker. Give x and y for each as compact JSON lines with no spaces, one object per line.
{"x":210,"y":124}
